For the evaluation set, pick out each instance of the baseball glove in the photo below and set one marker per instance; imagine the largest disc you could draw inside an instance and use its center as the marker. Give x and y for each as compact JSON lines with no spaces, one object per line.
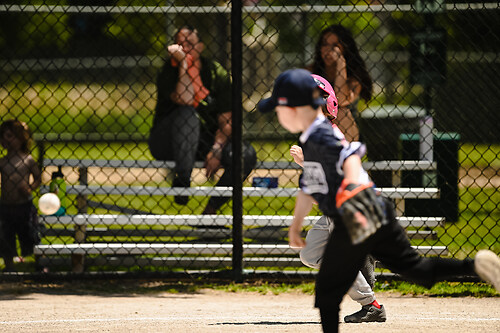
{"x":362,"y":210}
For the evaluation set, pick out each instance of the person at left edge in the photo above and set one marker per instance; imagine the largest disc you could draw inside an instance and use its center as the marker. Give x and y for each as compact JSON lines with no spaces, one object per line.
{"x":20,"y":176}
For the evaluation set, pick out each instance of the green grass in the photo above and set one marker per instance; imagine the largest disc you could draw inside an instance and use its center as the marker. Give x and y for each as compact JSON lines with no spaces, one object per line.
{"x":150,"y":287}
{"x":479,"y":155}
{"x":127,"y":108}
{"x":478,"y":226}
{"x":79,"y":107}
{"x":441,"y":289}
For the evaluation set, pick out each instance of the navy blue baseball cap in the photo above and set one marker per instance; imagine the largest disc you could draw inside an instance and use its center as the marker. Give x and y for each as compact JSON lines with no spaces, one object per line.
{"x":294,"y":87}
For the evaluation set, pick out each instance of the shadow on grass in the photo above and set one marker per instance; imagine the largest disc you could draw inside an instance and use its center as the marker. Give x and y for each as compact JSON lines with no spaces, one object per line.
{"x":115,"y":288}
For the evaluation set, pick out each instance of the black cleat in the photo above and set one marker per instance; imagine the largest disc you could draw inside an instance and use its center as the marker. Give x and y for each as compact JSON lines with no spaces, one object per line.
{"x":368,"y":313}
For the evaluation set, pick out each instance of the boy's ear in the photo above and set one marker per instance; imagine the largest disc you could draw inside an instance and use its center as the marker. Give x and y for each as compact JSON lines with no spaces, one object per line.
{"x":316,"y":94}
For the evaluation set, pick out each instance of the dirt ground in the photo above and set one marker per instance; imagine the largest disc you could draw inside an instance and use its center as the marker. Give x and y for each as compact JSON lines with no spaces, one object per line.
{"x":208,"y":310}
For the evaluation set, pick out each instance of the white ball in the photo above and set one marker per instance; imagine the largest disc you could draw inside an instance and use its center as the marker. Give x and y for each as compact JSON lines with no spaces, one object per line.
{"x":49,"y":203}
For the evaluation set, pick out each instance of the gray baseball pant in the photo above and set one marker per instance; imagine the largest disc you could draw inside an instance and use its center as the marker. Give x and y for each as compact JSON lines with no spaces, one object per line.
{"x":312,"y":255}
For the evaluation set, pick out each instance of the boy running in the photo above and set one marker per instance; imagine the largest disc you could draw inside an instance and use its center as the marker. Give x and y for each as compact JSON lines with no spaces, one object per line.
{"x":364,"y":222}
{"x":317,"y":237}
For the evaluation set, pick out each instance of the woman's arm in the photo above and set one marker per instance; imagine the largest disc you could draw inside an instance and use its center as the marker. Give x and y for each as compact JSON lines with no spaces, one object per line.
{"x":346,"y":123}
{"x":340,"y":84}
{"x":184,"y":91}
{"x":347,"y":91}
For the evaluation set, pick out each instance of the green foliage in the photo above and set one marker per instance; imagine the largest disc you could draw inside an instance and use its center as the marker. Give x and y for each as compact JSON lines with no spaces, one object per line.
{"x":141,"y":30}
{"x":264,"y":287}
{"x":46,"y":31}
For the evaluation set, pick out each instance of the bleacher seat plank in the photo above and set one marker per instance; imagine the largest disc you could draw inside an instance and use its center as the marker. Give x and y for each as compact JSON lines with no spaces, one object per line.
{"x":226,"y":191}
{"x":266,"y":234}
{"x":158,"y":235}
{"x":212,"y":220}
{"x":420,"y":221}
{"x":105,"y":226}
{"x":388,"y":165}
{"x":400,"y":165}
{"x":160,"y":248}
{"x":422,"y":234}
{"x":186,"y":262}
{"x":185,"y":249}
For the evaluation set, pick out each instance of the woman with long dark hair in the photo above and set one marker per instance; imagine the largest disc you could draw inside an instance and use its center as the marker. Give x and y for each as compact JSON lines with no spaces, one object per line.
{"x":337,"y":59}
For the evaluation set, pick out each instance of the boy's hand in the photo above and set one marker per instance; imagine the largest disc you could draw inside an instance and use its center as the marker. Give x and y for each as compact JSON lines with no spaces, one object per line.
{"x":297,"y":154}
{"x":295,"y":238}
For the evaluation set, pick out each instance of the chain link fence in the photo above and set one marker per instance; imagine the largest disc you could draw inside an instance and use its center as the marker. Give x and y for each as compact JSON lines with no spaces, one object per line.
{"x":145,"y":156}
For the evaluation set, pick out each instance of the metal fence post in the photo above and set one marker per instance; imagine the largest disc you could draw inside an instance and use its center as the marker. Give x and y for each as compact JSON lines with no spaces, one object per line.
{"x":236,"y":70}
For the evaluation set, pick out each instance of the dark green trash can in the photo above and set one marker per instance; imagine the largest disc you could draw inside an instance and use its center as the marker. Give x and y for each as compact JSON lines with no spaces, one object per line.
{"x":445,"y":178}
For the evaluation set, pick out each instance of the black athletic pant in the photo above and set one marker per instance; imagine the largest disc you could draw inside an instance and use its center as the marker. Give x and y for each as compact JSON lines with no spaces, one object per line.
{"x":249,"y":162}
{"x":389,"y":245}
{"x":177,"y":137}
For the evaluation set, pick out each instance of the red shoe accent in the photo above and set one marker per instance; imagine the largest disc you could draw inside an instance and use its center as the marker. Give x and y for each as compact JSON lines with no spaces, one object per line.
{"x":375,"y":303}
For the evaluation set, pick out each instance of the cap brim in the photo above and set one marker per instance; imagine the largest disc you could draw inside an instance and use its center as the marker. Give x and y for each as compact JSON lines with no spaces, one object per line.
{"x":266,"y":105}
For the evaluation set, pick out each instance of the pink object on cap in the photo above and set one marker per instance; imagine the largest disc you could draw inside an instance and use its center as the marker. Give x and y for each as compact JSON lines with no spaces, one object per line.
{"x":332,"y":104}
